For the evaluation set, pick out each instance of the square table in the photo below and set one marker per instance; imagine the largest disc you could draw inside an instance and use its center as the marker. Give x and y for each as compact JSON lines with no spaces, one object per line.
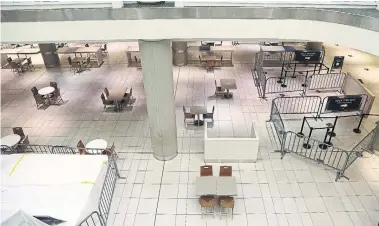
{"x":226,"y":186}
{"x":116,"y":95}
{"x":220,"y":186}
{"x":198,"y":110}
{"x":228,"y":84}
{"x":206,"y":185}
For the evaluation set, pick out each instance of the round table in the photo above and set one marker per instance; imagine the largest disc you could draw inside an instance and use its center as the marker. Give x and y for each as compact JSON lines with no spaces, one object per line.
{"x":46,"y":90}
{"x":97,"y":144}
{"x":10,"y":140}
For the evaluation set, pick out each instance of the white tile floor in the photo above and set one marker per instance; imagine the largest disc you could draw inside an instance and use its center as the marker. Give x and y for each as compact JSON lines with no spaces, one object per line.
{"x":292,"y":191}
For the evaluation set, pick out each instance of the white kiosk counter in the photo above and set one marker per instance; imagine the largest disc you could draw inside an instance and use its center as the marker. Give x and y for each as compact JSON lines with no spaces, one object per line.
{"x":231,"y":149}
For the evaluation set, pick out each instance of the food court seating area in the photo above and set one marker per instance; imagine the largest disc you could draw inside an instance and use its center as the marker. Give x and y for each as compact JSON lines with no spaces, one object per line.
{"x":271,"y":191}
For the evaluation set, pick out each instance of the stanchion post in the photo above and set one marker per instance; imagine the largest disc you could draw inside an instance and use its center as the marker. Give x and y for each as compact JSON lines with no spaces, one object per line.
{"x":301,"y":134}
{"x":332,"y":133}
{"x":357,"y":130}
{"x":324,"y":145}
{"x":307,"y":145}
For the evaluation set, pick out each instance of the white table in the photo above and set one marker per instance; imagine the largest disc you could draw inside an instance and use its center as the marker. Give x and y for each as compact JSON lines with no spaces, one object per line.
{"x":220,"y":186}
{"x":50,"y":185}
{"x":97,"y":144}
{"x":10,"y":140}
{"x":206,"y":185}
{"x":46,"y":90}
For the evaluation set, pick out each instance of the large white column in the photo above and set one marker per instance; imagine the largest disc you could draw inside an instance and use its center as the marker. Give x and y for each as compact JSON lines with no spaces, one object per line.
{"x":156,"y":61}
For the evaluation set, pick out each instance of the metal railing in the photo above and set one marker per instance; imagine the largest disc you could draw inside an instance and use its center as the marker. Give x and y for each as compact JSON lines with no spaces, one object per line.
{"x":100,"y":216}
{"x":305,"y":82}
{"x":309,"y":148}
{"x":327,"y":81}
{"x":298,"y":105}
{"x":276,"y":119}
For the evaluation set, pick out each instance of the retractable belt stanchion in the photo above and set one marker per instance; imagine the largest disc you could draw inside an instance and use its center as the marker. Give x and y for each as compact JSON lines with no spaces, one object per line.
{"x":325,"y":145}
{"x":301,"y":134}
{"x":307,"y":145}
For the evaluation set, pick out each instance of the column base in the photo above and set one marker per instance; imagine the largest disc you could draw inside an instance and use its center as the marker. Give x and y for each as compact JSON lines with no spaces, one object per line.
{"x":165,"y":158}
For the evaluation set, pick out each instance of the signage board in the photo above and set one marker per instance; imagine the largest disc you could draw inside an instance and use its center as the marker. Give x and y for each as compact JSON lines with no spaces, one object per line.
{"x":307,"y":55}
{"x":343,"y":103}
{"x":338,"y":62}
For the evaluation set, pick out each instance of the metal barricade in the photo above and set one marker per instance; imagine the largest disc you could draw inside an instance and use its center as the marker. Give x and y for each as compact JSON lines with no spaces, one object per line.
{"x":96,"y":218}
{"x":277,"y":121}
{"x":327,"y":81}
{"x":274,"y":85}
{"x":298,"y":105}
{"x":260,"y":82}
{"x":307,"y":147}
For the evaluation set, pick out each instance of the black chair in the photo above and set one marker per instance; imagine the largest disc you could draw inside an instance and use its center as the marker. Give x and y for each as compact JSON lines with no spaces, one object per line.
{"x":86,"y":45}
{"x":57,"y":98}
{"x":39,"y":100}
{"x":19,"y":131}
{"x":209,"y":115}
{"x":105,"y":49}
{"x":54,"y":84}
{"x":30,"y":64}
{"x":34,"y":91}
{"x":106,"y":91}
{"x":106,"y":102}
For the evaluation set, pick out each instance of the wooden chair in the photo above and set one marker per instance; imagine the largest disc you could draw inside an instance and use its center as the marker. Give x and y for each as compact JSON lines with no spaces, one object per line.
{"x":106,"y":91}
{"x":207,"y":202}
{"x":110,"y":151}
{"x":188,"y":116}
{"x":206,"y":170}
{"x":81,"y":148}
{"x":209,"y":115}
{"x":19,"y":131}
{"x":226,"y":202}
{"x":39,"y":100}
{"x":225,"y":171}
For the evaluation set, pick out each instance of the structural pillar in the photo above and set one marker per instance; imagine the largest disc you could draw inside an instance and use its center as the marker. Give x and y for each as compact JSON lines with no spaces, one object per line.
{"x":179,"y":53}
{"x":49,"y":55}
{"x":156,"y":61}
{"x":314,"y":46}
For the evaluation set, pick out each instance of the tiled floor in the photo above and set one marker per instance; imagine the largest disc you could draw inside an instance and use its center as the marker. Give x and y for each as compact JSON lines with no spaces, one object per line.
{"x":292,"y":191}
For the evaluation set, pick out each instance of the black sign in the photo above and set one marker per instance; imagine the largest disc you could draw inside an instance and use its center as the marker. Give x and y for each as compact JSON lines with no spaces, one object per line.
{"x":307,"y":55}
{"x":343,"y":103}
{"x":338,"y":62}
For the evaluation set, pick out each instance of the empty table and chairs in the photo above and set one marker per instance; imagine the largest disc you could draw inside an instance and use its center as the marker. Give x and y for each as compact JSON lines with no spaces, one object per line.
{"x":199,"y":111}
{"x":210,"y":186}
{"x":228,"y":84}
{"x":117,"y":97}
{"x":46,"y":93}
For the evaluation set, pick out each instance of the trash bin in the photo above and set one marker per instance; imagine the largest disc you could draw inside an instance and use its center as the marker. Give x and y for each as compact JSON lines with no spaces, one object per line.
{"x":179,"y":53}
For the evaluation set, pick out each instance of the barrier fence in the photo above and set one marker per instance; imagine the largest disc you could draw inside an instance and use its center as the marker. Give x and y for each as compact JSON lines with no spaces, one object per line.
{"x":100,"y":216}
{"x":276,"y":119}
{"x":327,"y":81}
{"x":298,"y":105}
{"x":321,"y":152}
{"x":302,"y":83}
{"x":309,"y":148}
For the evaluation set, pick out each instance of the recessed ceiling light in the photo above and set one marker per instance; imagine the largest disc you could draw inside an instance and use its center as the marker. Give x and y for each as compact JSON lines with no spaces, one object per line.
{"x":367,"y":69}
{"x":337,"y":45}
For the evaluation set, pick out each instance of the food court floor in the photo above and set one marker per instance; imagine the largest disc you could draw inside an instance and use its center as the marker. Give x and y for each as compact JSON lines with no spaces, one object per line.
{"x":271,"y":191}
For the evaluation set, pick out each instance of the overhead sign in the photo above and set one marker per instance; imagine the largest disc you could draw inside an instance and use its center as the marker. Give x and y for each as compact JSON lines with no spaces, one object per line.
{"x":343,"y":103}
{"x":307,"y":55}
{"x":338,"y":62}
